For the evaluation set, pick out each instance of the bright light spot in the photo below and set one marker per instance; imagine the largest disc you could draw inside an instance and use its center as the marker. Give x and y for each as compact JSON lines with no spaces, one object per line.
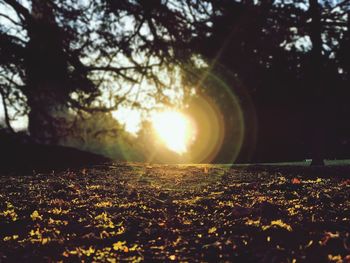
{"x":174,"y":129}
{"x":131,"y":119}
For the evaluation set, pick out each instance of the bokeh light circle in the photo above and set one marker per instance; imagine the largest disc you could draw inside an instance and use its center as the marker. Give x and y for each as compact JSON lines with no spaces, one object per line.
{"x":210,"y":127}
{"x":225,"y":118}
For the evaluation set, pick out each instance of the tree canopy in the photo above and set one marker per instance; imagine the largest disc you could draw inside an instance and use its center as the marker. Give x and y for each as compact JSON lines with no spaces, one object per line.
{"x":60,"y":58}
{"x":59,"y":55}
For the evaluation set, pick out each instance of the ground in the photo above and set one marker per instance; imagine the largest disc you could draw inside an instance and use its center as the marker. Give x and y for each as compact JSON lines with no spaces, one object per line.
{"x":188,"y":213}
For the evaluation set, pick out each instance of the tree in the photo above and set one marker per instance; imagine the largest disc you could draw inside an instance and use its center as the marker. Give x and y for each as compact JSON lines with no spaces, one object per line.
{"x":60,"y":58}
{"x":284,"y":54}
{"x":318,"y":117}
{"x":100,"y":133}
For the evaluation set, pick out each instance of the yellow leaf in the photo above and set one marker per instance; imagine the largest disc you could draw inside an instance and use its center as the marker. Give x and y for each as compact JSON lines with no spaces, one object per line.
{"x":134,"y":248}
{"x":120,"y":245}
{"x":7,"y":238}
{"x":335,"y":258}
{"x":212,"y":230}
{"x":279,"y":223}
{"x":35,"y":215}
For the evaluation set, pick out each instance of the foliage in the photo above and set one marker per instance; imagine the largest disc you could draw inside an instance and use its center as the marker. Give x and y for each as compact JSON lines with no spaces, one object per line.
{"x":61,"y":60}
{"x":61,"y":56}
{"x":101,"y":133}
{"x":269,"y":49}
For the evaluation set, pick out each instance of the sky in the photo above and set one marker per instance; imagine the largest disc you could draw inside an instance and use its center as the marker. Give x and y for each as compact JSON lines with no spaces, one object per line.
{"x":20,"y":123}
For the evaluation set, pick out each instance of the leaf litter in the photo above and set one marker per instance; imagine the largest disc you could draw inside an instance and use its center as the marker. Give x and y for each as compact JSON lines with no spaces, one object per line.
{"x":188,"y":213}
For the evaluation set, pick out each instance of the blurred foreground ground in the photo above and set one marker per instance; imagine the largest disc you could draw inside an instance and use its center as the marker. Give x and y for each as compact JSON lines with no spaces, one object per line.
{"x":140,"y":212}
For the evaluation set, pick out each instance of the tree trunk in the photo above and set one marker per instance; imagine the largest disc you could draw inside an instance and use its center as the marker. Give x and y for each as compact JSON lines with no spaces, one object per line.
{"x":318,"y":117}
{"x":46,"y":71}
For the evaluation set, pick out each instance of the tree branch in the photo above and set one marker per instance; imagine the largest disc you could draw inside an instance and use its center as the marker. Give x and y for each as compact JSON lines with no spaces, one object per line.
{"x":340,"y":5}
{"x":119,"y":70}
{"x":88,"y":109}
{"x":20,"y":9}
{"x":7,"y":117}
{"x":10,"y":19}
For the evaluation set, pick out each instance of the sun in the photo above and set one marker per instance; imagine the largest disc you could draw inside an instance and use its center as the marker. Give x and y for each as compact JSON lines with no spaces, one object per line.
{"x":174,"y":129}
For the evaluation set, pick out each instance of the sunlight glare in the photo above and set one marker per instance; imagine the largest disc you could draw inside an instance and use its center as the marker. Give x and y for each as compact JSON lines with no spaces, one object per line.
{"x":175,"y":130}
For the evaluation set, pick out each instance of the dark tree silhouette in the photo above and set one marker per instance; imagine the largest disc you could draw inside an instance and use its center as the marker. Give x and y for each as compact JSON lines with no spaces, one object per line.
{"x":58,"y":57}
{"x":287,"y":56}
{"x":318,"y":111}
{"x":61,"y":56}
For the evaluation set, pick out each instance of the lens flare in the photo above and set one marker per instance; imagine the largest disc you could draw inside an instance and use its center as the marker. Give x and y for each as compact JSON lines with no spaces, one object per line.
{"x":174,"y":129}
{"x":210,"y":124}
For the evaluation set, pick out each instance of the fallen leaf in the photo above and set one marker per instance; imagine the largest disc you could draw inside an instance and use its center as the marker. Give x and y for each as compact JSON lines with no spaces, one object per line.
{"x":212,"y":230}
{"x":296,"y":181}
